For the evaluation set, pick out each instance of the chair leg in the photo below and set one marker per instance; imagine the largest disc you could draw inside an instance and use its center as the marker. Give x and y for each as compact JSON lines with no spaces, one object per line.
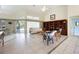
{"x":44,"y":39}
{"x":52,"y":40}
{"x":3,"y":42}
{"x":47,"y":42}
{"x":48,"y":39}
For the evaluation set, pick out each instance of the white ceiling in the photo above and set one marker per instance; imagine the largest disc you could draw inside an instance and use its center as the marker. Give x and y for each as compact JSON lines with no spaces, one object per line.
{"x":23,"y":10}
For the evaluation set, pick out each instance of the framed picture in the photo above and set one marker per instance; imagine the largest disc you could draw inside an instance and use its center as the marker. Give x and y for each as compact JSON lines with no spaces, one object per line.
{"x":52,"y":17}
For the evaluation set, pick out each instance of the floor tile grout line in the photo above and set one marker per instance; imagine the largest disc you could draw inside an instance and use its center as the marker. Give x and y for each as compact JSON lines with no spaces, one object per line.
{"x":56,"y":46}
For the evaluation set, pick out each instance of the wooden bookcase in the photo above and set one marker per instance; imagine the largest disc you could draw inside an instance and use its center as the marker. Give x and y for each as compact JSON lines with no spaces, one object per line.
{"x":53,"y":25}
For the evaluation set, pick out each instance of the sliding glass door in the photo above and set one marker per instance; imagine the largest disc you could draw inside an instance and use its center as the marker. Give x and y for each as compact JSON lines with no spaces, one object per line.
{"x":20,"y":26}
{"x":32,"y":25}
{"x":76,"y":26}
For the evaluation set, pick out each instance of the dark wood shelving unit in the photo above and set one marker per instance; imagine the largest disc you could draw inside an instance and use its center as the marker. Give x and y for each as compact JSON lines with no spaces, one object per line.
{"x":54,"y":25}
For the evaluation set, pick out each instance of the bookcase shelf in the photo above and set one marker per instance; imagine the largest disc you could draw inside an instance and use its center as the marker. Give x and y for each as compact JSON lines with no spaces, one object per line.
{"x":54,"y":25}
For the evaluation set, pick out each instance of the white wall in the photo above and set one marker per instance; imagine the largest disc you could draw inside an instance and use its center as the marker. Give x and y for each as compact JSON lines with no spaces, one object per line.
{"x":11,"y":27}
{"x":59,"y":11}
{"x":73,"y":10}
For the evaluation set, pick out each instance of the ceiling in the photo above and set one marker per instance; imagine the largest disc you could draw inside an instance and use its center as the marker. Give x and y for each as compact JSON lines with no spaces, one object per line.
{"x":15,"y":11}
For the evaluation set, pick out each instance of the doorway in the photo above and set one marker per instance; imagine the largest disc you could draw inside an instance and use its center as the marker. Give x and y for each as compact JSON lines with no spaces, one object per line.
{"x":32,"y":25}
{"x":20,"y":26}
{"x":75,"y":26}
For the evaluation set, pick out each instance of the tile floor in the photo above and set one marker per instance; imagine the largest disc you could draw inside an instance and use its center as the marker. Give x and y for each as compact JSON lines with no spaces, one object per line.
{"x":27,"y":44}
{"x":69,"y":46}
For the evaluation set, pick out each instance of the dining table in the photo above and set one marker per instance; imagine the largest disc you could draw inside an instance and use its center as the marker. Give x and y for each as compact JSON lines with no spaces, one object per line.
{"x":48,"y":35}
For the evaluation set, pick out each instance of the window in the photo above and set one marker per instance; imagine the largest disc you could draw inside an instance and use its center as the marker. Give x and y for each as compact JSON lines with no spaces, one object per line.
{"x":77,"y":23}
{"x":32,"y":25}
{"x":32,"y":17}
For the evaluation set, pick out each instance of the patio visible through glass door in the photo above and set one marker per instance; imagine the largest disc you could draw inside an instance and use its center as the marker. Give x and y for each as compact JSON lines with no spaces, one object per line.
{"x":32,"y":25}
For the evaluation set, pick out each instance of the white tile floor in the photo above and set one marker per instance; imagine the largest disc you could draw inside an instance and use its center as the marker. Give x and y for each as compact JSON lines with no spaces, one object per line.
{"x":69,"y":46}
{"x":20,"y":43}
